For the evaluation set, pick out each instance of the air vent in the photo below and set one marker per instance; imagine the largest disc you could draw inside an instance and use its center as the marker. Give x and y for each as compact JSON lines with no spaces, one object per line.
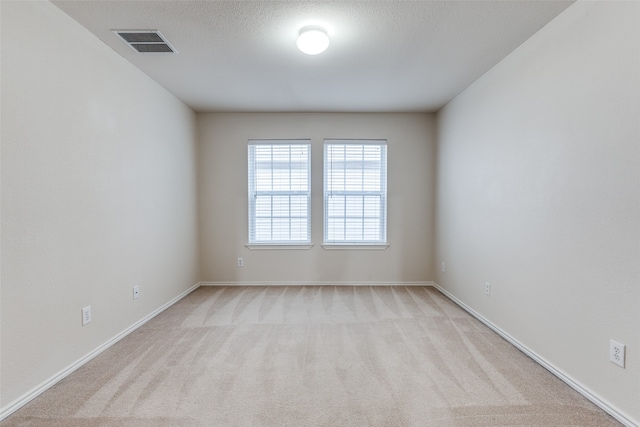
{"x":145,"y":41}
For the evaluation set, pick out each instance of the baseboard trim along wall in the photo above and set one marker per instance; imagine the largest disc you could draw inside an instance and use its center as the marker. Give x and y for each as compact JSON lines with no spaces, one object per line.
{"x":548,"y":366}
{"x":297,"y":283}
{"x":38,"y":390}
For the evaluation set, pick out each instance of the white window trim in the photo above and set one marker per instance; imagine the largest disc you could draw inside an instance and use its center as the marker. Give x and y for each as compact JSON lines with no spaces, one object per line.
{"x":357,"y":247}
{"x":365,"y":244}
{"x":269,"y":246}
{"x":284,"y":244}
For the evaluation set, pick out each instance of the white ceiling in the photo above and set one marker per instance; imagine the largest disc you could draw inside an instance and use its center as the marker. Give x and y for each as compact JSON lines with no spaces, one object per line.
{"x":384,"y":56}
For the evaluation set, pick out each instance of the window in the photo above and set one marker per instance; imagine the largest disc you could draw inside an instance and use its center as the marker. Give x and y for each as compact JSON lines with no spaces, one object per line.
{"x":279,"y":192}
{"x":355,"y":192}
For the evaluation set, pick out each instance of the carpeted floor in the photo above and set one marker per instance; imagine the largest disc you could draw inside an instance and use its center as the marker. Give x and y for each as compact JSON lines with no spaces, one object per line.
{"x":312,"y":356}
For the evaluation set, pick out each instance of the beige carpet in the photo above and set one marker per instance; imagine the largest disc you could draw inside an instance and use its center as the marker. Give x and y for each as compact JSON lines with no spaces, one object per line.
{"x":312,"y":356}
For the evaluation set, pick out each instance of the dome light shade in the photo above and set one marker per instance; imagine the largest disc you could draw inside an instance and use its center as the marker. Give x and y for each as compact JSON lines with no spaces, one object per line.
{"x":313,"y":40}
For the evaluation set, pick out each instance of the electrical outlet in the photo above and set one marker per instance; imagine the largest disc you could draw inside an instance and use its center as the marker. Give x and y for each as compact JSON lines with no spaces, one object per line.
{"x":442,"y":267}
{"x":240,"y":262}
{"x":86,"y":315}
{"x":616,"y":353}
{"x":487,"y":289}
{"x":136,"y":292}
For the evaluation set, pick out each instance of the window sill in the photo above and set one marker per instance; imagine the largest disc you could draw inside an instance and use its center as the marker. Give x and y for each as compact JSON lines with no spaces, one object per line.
{"x":349,"y":247}
{"x":258,"y":246}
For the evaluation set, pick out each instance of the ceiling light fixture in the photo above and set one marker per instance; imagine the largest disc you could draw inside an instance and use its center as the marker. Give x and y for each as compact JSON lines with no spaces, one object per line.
{"x":313,"y":40}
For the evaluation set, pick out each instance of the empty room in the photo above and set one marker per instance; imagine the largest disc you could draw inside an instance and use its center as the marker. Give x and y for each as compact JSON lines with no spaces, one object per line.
{"x":320,"y":213}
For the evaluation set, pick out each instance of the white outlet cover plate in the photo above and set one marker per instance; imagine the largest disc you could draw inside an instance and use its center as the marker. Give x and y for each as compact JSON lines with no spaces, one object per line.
{"x":86,"y":315}
{"x":617,"y":353}
{"x":487,"y":289}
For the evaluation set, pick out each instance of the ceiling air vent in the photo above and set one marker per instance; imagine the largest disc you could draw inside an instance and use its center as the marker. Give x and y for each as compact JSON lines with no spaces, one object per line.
{"x":145,"y":41}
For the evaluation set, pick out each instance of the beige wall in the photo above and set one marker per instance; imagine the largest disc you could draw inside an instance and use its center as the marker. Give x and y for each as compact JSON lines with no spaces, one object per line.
{"x":222,"y":163}
{"x":98,"y":195}
{"x":538,"y":193}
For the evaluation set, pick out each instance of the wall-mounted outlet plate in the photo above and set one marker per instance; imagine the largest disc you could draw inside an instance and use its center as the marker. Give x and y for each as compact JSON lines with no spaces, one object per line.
{"x":617,"y":353}
{"x":442,"y":267}
{"x":136,"y":292}
{"x":86,"y":315}
{"x":487,"y":289}
{"x":240,"y":262}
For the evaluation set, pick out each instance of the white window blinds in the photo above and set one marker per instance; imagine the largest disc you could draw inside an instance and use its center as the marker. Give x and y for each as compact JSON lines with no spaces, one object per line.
{"x":279,"y":192}
{"x":355,"y":192}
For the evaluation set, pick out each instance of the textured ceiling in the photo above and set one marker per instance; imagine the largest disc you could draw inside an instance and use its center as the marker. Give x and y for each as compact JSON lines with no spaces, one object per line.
{"x":384,"y":56}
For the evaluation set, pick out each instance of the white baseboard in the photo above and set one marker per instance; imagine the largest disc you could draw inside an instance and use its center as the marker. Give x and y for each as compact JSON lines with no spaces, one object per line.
{"x":298,"y":283}
{"x":38,"y":390}
{"x":545,"y":364}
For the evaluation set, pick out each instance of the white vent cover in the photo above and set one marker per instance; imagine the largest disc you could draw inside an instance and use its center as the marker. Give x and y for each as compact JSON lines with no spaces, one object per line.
{"x":145,"y":41}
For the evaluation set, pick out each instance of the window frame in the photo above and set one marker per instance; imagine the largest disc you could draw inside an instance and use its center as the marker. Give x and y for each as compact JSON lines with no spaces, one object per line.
{"x":254,"y":193}
{"x":382,"y":193}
